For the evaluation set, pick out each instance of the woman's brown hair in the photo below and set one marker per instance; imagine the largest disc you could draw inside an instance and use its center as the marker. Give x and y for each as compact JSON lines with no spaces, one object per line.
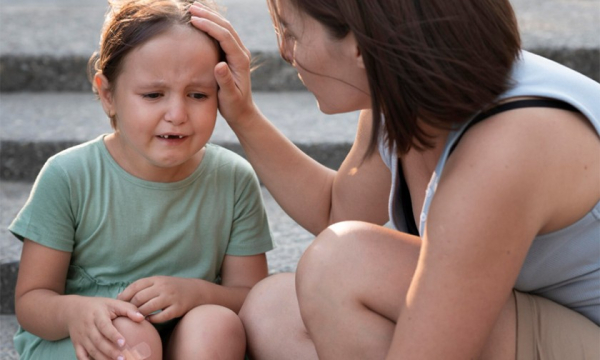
{"x":129,"y":24}
{"x":437,"y":61}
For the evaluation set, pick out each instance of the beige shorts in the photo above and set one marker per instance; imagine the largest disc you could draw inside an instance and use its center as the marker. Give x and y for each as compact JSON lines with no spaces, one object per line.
{"x":548,"y":331}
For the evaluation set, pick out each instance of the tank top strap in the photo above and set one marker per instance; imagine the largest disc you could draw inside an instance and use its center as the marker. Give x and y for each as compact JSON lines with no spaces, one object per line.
{"x":518,"y":104}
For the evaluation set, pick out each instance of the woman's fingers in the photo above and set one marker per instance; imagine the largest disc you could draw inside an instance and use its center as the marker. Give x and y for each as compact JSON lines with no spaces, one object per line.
{"x":235,"y":52}
{"x":200,"y":11}
{"x":233,"y":75}
{"x":224,"y":77}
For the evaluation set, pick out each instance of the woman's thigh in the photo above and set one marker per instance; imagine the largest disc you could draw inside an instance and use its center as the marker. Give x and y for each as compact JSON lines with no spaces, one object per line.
{"x":549,"y":331}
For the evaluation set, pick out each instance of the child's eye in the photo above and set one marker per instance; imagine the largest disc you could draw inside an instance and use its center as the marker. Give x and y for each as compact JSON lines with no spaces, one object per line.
{"x":151,"y":95}
{"x":197,"y":96}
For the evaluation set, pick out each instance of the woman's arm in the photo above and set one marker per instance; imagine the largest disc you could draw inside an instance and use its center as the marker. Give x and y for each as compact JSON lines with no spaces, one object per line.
{"x":498,"y":191}
{"x":312,"y":194}
{"x":309,"y":192}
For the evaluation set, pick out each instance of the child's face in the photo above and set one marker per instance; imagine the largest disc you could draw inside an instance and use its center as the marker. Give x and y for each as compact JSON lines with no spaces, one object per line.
{"x":165,"y":101}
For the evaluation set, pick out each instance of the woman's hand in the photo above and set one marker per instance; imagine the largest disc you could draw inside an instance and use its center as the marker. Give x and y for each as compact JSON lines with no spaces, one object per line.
{"x":233,"y":75}
{"x":91,"y":329}
{"x":172,"y":296}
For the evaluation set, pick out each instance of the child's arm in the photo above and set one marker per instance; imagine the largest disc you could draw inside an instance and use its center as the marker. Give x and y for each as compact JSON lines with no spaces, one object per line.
{"x":43,"y":310}
{"x":176,"y":296}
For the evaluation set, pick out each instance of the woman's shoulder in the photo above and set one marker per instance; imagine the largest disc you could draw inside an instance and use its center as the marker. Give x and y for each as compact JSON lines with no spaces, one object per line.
{"x":551,"y":156}
{"x":532,"y":128}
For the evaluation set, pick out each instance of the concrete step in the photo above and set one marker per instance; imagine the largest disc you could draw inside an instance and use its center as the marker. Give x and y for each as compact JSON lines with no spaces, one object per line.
{"x":46,"y":43}
{"x":37,"y":125}
{"x":290,"y":239}
{"x":8,"y":327}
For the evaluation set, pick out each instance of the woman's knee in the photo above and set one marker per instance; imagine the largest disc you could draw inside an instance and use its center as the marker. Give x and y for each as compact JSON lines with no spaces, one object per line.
{"x":141,"y":337}
{"x":265,"y":300}
{"x":330,"y":254}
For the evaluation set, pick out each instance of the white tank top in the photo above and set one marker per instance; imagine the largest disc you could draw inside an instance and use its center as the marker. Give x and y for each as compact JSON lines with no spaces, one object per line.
{"x":563,"y":266}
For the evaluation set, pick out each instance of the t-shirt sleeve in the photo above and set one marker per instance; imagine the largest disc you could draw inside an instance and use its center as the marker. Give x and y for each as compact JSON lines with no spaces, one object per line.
{"x":250,"y":232}
{"x":47,"y":216}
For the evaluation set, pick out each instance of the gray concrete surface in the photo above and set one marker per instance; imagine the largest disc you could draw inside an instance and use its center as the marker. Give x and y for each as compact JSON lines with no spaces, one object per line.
{"x":37,"y":125}
{"x":8,"y":326}
{"x":46,"y":43}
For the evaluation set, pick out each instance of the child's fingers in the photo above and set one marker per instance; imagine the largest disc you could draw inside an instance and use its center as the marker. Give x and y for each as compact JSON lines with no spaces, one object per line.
{"x":166,"y":314}
{"x":97,"y":347}
{"x":80,"y":352}
{"x":135,"y":315}
{"x":110,"y":340}
{"x":133,"y":289}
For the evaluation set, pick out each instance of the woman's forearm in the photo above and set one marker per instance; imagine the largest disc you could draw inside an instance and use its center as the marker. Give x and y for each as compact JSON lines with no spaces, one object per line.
{"x":301,"y":185}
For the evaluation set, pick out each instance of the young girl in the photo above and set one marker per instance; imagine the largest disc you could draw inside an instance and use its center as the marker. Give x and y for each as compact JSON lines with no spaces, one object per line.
{"x":485,"y":159}
{"x":144,"y":241}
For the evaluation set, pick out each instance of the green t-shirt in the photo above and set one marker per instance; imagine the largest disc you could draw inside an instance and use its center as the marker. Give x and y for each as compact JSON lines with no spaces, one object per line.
{"x":120,"y":228}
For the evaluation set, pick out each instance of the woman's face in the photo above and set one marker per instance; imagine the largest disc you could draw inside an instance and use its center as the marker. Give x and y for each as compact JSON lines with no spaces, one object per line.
{"x":331,"y":69}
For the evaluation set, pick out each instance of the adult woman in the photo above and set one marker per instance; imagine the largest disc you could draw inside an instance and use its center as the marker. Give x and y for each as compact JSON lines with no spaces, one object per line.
{"x":516,"y":207}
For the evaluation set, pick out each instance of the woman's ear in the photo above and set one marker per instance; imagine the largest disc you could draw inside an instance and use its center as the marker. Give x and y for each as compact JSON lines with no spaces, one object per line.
{"x":359,"y":58}
{"x":354,"y":51}
{"x":104,"y":93}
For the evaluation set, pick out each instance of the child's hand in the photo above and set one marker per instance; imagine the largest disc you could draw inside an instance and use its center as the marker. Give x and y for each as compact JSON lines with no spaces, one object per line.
{"x":173,"y":295}
{"x":91,"y":330}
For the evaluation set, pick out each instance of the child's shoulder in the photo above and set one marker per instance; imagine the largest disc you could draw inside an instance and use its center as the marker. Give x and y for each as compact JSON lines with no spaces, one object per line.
{"x":221,"y":157}
{"x":79,"y":155}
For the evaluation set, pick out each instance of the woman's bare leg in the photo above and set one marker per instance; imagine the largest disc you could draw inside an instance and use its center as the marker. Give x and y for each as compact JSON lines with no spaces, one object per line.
{"x":351,"y":283}
{"x":272,"y":320}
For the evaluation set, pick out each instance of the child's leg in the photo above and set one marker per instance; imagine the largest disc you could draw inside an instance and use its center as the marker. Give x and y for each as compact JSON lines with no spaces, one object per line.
{"x":142,"y":340}
{"x":208,"y":332}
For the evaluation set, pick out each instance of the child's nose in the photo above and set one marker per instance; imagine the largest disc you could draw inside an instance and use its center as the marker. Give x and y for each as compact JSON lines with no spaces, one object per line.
{"x":176,"y":112}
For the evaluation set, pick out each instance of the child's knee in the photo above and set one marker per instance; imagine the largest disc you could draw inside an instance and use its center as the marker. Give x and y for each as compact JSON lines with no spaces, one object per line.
{"x":217,"y":319}
{"x":138,"y":334}
{"x":210,"y":330}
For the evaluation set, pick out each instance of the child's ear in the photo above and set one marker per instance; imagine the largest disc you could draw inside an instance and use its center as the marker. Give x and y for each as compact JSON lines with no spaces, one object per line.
{"x":104,"y":93}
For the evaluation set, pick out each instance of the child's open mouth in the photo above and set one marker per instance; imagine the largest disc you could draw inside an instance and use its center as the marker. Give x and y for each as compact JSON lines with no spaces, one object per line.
{"x":171,"y":137}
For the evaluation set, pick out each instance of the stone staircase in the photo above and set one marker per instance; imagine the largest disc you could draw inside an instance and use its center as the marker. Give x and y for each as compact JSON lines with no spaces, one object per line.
{"x":46,"y":104}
